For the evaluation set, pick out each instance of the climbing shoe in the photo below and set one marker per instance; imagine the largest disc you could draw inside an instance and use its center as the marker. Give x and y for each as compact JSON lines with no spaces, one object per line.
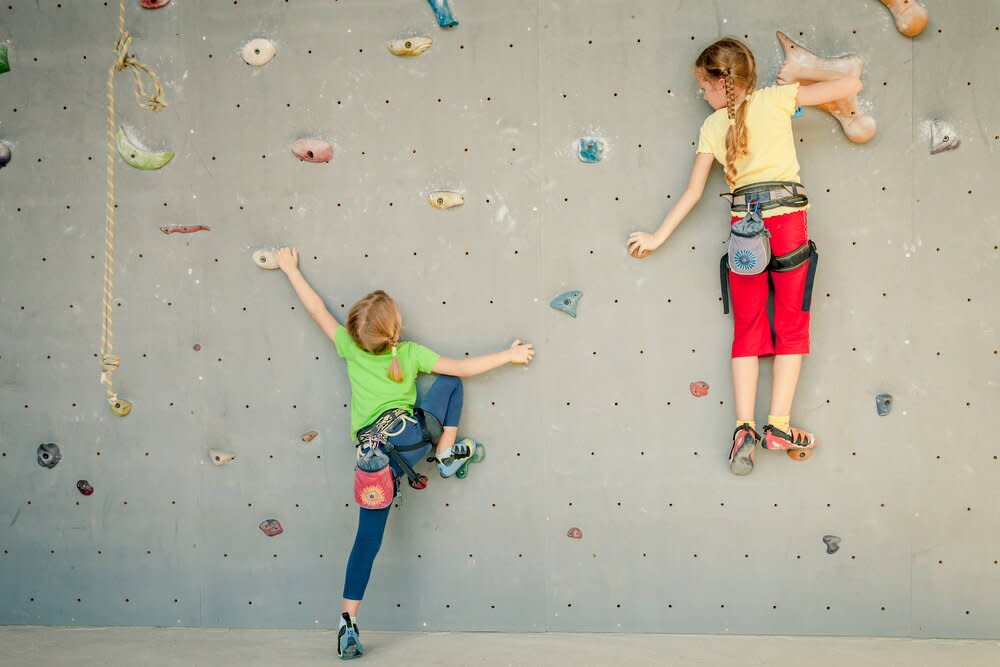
{"x":775,"y":438}
{"x":450,"y":460}
{"x":348,"y":638}
{"x":741,"y":456}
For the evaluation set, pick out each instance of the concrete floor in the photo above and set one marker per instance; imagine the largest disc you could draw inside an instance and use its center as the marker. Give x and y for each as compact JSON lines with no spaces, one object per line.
{"x":24,"y":646}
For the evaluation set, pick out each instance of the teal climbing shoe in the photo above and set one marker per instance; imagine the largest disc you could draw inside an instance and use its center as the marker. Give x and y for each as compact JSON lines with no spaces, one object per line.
{"x":450,"y":460}
{"x":348,"y":639}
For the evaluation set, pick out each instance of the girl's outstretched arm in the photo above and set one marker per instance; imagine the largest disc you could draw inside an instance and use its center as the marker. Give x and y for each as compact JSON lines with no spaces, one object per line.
{"x":641,"y":244}
{"x":288,"y":262}
{"x":818,"y":86}
{"x":517,"y":353}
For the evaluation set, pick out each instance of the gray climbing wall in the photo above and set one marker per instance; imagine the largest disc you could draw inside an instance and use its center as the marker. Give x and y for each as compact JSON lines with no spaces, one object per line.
{"x":601,"y":432}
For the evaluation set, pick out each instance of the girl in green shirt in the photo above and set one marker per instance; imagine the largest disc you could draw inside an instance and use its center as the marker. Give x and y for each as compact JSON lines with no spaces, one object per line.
{"x":383,"y":372}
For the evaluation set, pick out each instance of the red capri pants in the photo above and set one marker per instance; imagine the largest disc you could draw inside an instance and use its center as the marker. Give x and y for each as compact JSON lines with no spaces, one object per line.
{"x":752,"y":332}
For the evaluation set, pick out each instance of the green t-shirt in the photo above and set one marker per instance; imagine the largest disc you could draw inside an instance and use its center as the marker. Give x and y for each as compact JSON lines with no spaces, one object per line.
{"x":372,"y":390}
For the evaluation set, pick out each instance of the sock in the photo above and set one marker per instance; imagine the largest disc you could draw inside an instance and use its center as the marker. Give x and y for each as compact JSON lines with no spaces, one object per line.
{"x":781,"y":423}
{"x":749,"y":422}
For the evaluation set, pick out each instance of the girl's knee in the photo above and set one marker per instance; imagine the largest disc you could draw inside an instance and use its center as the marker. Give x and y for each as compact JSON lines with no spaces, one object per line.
{"x":450,"y":382}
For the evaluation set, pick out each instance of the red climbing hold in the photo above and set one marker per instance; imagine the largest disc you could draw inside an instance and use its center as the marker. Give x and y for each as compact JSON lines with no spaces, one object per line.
{"x":271,"y":527}
{"x":699,"y":389}
{"x":575,"y":533}
{"x":153,"y":4}
{"x":84,"y":487}
{"x":313,"y":150}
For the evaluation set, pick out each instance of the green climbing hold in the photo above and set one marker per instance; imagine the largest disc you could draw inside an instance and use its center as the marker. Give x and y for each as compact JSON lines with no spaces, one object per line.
{"x":4,"y":62}
{"x":139,"y":157}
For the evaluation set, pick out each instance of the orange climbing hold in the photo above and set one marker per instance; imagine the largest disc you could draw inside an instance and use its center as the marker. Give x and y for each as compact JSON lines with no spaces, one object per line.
{"x":909,"y":15}
{"x":859,"y":127}
{"x":699,"y":389}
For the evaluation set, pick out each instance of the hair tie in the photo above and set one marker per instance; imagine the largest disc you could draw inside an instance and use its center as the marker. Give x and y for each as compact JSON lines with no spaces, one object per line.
{"x":732,"y":122}
{"x":394,"y":349}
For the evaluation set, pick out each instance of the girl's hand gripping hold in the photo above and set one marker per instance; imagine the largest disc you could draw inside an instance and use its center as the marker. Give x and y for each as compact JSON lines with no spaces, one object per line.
{"x":521,"y":353}
{"x":288,"y":259}
{"x":641,"y":244}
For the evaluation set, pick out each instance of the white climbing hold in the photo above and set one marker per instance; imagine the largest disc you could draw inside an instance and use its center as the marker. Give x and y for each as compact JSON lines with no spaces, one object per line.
{"x":411,"y":46}
{"x":943,"y":137}
{"x":220,"y":458}
{"x":259,"y":52}
{"x":265,"y":259}
{"x":445,"y":199}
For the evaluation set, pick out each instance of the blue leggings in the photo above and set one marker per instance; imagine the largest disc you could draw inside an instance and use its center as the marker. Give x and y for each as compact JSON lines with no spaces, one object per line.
{"x":442,"y":401}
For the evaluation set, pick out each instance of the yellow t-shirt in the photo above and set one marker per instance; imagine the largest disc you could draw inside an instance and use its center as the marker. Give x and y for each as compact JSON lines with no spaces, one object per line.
{"x":770,"y":152}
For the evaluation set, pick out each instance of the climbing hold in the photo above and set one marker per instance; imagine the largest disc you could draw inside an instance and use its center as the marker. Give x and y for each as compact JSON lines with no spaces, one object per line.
{"x":265,"y":259}
{"x":799,"y":454}
{"x":153,"y":4}
{"x":313,"y":150}
{"x":832,"y":543}
{"x":575,"y":533}
{"x":139,"y":157}
{"x":271,"y":527}
{"x":883,"y":404}
{"x":84,"y":487}
{"x":310,"y":436}
{"x":859,"y":127}
{"x":591,"y":150}
{"x":258,"y":52}
{"x":699,"y":389}
{"x":197,"y":347}
{"x":185,"y":229}
{"x":445,"y":199}
{"x":5,"y":154}
{"x":411,"y":46}
{"x":567,"y":302}
{"x":943,"y":137}
{"x":4,"y":61}
{"x":910,"y":16}
{"x":443,"y":13}
{"x":49,"y":455}
{"x":220,"y":458}
{"x":797,"y":113}
{"x":120,"y":406}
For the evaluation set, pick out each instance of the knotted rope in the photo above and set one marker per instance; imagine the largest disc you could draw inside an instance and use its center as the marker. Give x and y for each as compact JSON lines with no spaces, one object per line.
{"x":154,"y":102}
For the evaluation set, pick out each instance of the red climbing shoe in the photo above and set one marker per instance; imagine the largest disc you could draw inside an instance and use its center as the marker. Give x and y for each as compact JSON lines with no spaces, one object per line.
{"x":741,"y":456}
{"x":775,"y":438}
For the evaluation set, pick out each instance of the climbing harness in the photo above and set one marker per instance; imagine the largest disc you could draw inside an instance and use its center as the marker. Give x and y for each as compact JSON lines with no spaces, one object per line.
{"x":749,"y":250}
{"x":768,"y":194}
{"x":155,"y":102}
{"x":374,"y":439}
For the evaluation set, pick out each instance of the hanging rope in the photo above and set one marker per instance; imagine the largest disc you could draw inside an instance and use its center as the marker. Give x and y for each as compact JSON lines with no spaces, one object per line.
{"x":154,"y":102}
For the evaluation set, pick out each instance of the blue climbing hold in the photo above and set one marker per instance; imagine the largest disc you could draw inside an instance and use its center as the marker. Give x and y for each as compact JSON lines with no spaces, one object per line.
{"x":567,"y":301}
{"x":883,"y":404}
{"x":591,"y":150}
{"x":798,"y":112}
{"x":443,"y":13}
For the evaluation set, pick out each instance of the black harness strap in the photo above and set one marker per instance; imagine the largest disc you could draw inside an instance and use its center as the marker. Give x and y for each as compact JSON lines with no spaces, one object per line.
{"x":788,"y":262}
{"x":415,"y":479}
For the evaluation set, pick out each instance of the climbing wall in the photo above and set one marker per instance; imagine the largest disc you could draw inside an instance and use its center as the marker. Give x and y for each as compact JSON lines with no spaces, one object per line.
{"x":605,"y":502}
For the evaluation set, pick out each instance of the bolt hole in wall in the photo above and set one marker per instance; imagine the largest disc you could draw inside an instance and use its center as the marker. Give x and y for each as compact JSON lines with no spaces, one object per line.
{"x":281,"y":147}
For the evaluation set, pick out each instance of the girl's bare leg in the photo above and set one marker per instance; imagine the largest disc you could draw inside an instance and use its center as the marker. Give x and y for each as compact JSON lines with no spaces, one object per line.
{"x":351,"y":607}
{"x":448,"y":435}
{"x":786,"y":377}
{"x":745,"y":370}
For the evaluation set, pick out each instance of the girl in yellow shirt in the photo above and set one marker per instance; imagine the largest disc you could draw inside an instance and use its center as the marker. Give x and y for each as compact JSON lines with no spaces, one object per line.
{"x":750,"y":134}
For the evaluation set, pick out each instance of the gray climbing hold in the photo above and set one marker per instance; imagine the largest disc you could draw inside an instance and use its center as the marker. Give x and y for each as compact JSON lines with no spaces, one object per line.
{"x":832,"y":543}
{"x":591,"y":150}
{"x":271,"y":527}
{"x":883,"y":404}
{"x":943,"y":137}
{"x":221,"y":458}
{"x":567,"y":302}
{"x":443,"y":13}
{"x":5,"y":154}
{"x":49,"y":455}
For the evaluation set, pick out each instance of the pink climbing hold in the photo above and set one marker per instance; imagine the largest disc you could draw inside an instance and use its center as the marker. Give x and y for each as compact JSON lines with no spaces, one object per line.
{"x":271,"y":527}
{"x":153,"y":4}
{"x":575,"y":533}
{"x":313,"y":150}
{"x":699,"y":389}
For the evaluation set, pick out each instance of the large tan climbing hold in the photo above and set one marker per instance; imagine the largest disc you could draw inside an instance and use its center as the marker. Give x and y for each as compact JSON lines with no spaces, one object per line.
{"x":859,"y":127}
{"x":220,"y":458}
{"x":910,"y":16}
{"x":411,"y":46}
{"x":445,"y":199}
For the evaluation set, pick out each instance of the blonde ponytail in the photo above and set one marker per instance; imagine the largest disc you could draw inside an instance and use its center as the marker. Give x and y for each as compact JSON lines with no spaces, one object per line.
{"x":395,"y":368}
